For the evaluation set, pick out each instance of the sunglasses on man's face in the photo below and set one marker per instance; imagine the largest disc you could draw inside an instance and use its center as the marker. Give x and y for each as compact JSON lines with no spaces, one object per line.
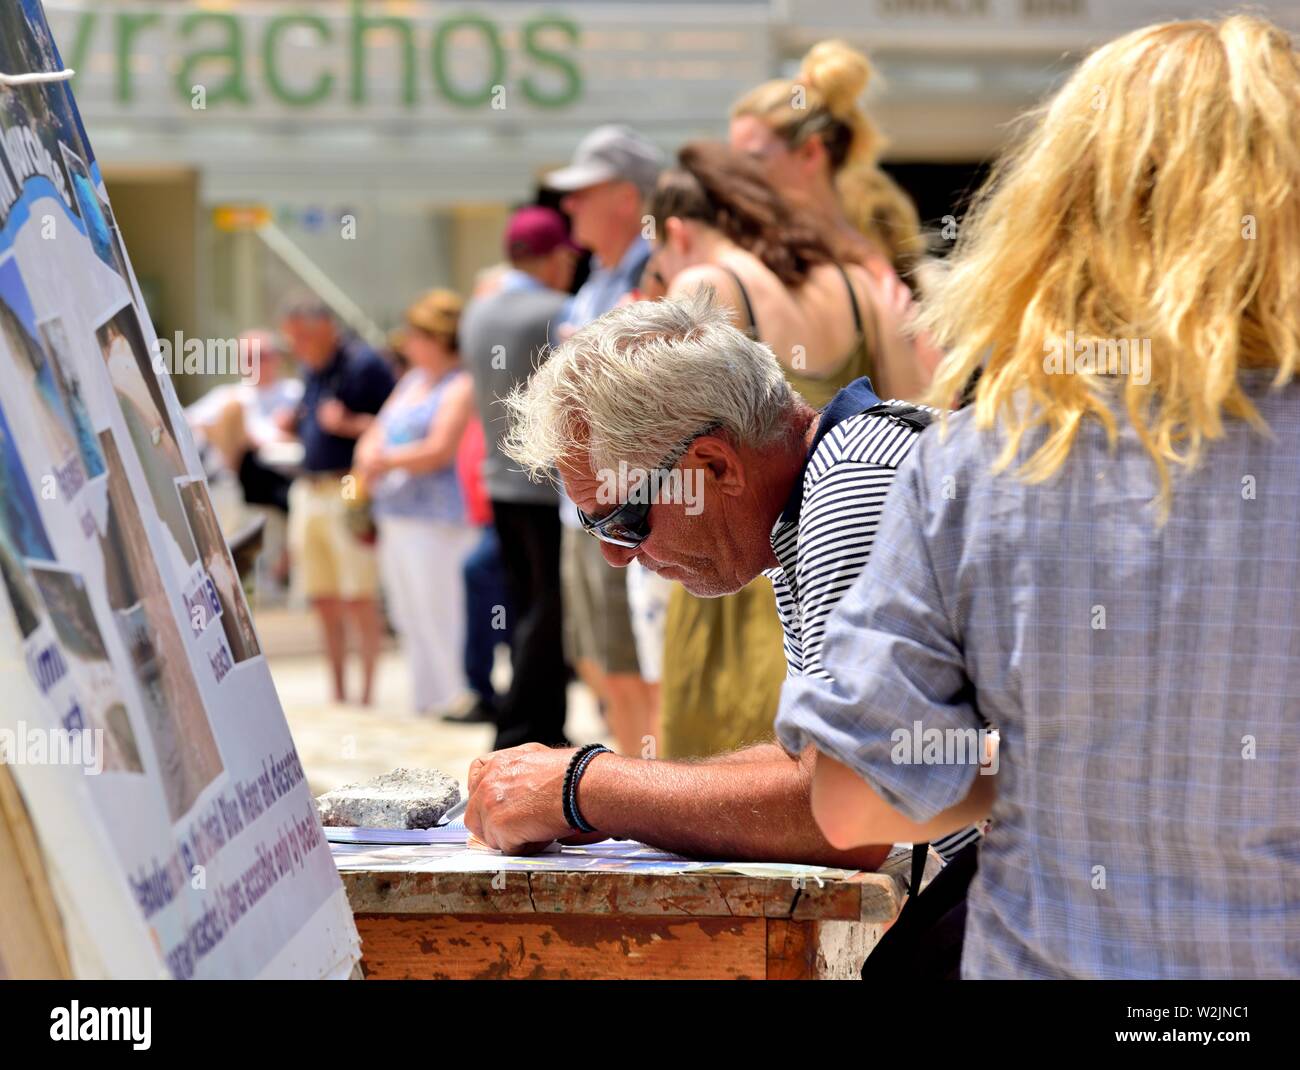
{"x":629,"y":524}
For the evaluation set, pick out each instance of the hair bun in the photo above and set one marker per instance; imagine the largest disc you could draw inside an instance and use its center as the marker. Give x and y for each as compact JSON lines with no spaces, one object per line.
{"x":838,"y":72}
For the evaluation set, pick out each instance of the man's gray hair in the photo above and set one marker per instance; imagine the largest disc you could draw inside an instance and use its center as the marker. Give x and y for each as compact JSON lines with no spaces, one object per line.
{"x":305,"y":305}
{"x":639,"y":381}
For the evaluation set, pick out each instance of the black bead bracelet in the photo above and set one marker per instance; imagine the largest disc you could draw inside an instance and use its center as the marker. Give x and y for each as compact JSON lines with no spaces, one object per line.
{"x":577,"y":766}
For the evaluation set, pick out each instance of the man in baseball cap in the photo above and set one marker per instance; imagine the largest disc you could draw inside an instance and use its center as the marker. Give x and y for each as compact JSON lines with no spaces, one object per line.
{"x":537,"y":231}
{"x":610,"y":154}
{"x":612,"y":174}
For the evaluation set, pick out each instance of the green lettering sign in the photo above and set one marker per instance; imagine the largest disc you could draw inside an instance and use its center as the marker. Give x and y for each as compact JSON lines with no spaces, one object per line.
{"x":297,"y":98}
{"x":231,"y":53}
{"x":128,"y":25}
{"x":535,"y":47}
{"x":497,"y":55}
{"x":551,"y":77}
{"x":363,"y":24}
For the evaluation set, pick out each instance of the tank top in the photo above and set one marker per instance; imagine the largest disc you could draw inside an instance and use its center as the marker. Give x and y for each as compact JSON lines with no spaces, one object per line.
{"x":427,"y":495}
{"x":818,"y":391}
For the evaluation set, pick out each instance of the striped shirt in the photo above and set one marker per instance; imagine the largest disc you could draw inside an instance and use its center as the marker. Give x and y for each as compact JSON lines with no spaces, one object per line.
{"x":824,"y":536}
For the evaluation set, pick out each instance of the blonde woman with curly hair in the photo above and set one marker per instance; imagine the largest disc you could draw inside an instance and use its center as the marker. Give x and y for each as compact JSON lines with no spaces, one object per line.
{"x":1100,"y":558}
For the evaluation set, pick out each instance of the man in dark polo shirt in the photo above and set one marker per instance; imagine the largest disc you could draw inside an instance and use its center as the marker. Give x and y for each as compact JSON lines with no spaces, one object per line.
{"x":345,"y":383}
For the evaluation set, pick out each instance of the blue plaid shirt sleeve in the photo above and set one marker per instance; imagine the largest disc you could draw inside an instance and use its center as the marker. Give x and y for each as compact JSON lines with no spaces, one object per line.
{"x":894,"y":671}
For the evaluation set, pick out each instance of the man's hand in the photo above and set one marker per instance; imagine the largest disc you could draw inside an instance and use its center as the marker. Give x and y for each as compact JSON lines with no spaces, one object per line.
{"x":515,"y":803}
{"x":286,"y":420}
{"x":337,"y":419}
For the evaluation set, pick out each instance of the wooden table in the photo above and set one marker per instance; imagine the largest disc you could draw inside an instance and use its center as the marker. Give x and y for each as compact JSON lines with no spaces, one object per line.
{"x":587,"y":925}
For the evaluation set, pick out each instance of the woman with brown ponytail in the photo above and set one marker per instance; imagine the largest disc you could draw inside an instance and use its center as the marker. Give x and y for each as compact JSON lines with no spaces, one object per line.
{"x":719,"y":224}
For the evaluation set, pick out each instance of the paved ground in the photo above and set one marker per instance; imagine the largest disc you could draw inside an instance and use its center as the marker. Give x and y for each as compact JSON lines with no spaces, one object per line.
{"x":340,"y":744}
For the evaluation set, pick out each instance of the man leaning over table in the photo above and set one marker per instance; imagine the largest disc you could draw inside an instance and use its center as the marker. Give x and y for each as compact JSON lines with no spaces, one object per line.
{"x":764,"y":483}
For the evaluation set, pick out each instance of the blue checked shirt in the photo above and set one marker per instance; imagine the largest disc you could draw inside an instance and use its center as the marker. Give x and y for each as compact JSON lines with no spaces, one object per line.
{"x":1145,"y":680}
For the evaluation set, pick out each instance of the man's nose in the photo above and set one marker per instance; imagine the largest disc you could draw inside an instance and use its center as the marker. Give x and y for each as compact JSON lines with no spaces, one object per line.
{"x":618,"y":556}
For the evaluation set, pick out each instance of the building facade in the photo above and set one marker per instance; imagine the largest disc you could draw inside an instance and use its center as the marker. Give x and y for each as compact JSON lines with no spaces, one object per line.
{"x":386,"y":140}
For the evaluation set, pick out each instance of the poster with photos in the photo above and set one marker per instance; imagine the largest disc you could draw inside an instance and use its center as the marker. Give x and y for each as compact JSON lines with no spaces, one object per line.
{"x":140,"y":724}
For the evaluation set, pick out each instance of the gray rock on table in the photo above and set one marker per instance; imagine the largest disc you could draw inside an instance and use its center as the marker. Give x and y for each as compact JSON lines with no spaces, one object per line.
{"x":401,"y":799}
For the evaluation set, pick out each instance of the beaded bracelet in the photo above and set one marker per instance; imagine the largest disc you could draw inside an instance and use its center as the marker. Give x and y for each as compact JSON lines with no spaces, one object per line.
{"x":577,"y":766}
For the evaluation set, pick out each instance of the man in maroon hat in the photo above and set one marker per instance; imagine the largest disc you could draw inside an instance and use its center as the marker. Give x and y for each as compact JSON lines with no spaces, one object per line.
{"x":503,"y":335}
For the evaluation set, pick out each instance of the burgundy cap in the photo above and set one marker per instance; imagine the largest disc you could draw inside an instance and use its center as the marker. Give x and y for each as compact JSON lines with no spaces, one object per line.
{"x":535,"y":231}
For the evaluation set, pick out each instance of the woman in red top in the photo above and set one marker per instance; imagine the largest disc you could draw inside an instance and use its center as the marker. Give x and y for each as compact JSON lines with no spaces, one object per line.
{"x":490,"y":618}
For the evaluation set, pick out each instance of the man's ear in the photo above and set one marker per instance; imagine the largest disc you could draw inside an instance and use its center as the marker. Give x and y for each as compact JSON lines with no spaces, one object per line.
{"x":723,"y":462}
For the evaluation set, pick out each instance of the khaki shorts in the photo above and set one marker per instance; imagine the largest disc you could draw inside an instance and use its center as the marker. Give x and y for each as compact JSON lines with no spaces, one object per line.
{"x":597,"y":621}
{"x":329,"y":561}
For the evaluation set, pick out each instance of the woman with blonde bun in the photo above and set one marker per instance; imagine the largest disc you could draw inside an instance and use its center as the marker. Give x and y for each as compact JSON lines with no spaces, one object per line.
{"x":821,"y":151}
{"x":1100,"y":557}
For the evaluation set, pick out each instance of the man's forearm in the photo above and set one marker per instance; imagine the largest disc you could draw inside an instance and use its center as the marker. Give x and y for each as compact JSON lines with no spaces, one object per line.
{"x":356,"y":425}
{"x":729,"y":810}
{"x":758,"y":752}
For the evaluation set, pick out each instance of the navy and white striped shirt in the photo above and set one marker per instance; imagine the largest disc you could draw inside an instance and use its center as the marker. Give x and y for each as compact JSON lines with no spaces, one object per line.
{"x":824,"y":536}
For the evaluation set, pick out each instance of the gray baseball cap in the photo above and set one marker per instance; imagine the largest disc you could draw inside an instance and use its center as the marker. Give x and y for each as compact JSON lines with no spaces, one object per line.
{"x":607,"y":154}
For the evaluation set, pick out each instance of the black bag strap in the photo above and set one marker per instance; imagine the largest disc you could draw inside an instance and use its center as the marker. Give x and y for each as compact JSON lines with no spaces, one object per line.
{"x":920,"y":852}
{"x":900,"y":412}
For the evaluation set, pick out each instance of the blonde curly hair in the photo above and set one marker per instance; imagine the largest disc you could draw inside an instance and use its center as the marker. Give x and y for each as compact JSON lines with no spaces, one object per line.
{"x":1156,"y":196}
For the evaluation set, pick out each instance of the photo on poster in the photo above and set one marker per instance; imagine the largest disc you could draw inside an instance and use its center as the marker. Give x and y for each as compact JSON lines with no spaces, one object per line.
{"x":20,"y":516}
{"x":67,"y":434}
{"x":73,"y":618}
{"x":174,"y":711}
{"x":122,"y":265}
{"x":214,"y":556}
{"x":140,"y":397}
{"x":67,"y":384}
{"x":22,"y":596}
{"x":22,"y":532}
{"x":101,"y":229}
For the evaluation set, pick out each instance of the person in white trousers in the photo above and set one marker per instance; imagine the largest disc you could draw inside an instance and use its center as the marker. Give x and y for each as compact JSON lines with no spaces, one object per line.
{"x":408,"y":462}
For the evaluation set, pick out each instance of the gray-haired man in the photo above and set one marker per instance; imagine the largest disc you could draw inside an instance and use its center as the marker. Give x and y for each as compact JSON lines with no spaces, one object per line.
{"x":669,"y":396}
